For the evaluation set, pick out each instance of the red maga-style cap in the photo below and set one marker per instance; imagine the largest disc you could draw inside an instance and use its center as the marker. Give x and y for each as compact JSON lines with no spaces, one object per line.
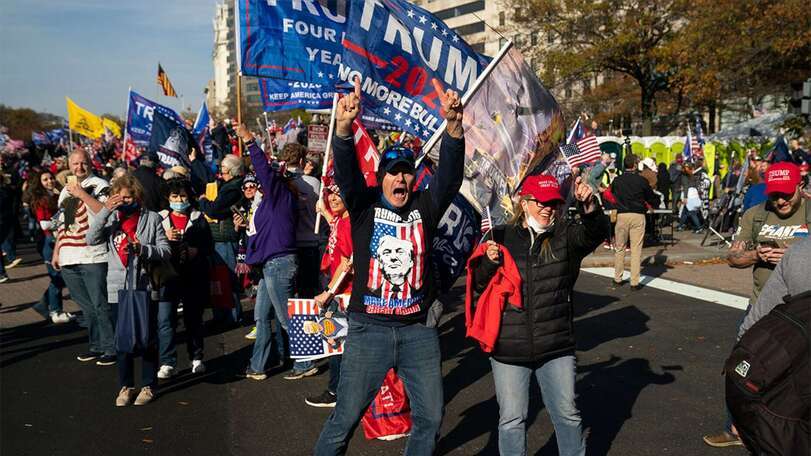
{"x":782,"y":177}
{"x":543,"y":188}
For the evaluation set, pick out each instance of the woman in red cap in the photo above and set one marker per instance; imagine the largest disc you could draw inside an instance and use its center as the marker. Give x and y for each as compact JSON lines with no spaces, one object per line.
{"x":537,"y":338}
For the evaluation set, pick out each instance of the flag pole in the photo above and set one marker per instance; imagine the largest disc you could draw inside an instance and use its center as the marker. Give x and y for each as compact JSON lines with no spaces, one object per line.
{"x":571,"y":133}
{"x":239,"y":106}
{"x":324,"y":165}
{"x":466,"y":98}
{"x":126,"y":123}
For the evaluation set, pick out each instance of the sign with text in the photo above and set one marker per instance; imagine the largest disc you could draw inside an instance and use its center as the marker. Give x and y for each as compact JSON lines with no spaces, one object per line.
{"x":317,"y":138}
{"x":280,"y":95}
{"x":140,"y":118}
{"x":398,"y":50}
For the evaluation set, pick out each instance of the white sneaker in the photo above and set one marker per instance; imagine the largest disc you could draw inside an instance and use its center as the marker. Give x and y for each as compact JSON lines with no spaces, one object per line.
{"x":14,"y":263}
{"x":251,"y":335}
{"x":166,"y":372}
{"x":197,"y":367}
{"x":59,"y":318}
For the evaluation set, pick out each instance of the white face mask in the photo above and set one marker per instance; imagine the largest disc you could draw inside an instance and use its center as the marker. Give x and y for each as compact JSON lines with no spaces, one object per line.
{"x":536,"y":226}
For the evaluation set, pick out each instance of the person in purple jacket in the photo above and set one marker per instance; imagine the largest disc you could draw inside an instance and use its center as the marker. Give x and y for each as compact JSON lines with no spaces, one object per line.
{"x":272,"y":246}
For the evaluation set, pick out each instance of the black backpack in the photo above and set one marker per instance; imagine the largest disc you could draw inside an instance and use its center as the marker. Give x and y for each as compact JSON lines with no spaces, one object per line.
{"x":768,"y":381}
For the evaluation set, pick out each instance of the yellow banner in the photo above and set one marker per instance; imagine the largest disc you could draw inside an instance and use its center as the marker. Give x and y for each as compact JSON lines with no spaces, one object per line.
{"x":84,"y":122}
{"x":112,"y":126}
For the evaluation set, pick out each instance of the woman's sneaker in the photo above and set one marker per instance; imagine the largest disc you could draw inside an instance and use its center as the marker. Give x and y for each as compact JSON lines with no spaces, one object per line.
{"x":251,"y":335}
{"x":197,"y":367}
{"x":253,"y":375}
{"x":59,"y":318}
{"x":145,"y":396}
{"x":124,"y":396}
{"x":106,"y":360}
{"x":166,"y":371}
{"x":296,"y":375}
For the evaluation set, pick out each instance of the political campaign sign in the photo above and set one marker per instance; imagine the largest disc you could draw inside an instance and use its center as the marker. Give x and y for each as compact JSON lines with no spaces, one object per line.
{"x":400,"y":52}
{"x":169,"y":142}
{"x":296,"y":40}
{"x":313,"y":334}
{"x":140,"y":118}
{"x":280,"y":95}
{"x":317,"y":138}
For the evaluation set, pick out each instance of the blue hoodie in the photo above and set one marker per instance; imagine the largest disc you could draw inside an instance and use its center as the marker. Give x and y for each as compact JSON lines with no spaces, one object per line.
{"x":275,"y":218}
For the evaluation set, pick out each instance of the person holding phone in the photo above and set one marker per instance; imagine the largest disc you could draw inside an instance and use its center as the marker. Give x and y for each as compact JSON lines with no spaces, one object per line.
{"x":764,"y":233}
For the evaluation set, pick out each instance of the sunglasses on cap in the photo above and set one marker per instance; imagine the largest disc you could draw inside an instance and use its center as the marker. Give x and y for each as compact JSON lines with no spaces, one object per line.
{"x":396,"y":154}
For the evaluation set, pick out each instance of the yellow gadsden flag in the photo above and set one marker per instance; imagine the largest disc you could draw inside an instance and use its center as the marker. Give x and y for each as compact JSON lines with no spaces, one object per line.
{"x":112,"y":127}
{"x":84,"y":122}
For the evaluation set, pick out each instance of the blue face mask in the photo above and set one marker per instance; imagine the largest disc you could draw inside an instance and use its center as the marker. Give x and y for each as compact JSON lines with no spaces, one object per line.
{"x":179,"y":206}
{"x":129,"y":208}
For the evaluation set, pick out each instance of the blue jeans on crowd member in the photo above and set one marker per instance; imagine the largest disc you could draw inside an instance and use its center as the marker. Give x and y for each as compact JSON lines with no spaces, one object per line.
{"x":556,"y":379}
{"x":370,"y":351}
{"x":277,"y":285}
{"x":693,"y":216}
{"x":226,"y":253}
{"x":51,"y":300}
{"x":149,"y":357}
{"x":87,"y":284}
{"x":334,"y":374}
{"x":193,"y":302}
{"x":10,"y":243}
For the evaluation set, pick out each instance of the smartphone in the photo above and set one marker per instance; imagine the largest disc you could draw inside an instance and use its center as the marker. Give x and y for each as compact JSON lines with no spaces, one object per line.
{"x":72,"y":179}
{"x":236,"y":210}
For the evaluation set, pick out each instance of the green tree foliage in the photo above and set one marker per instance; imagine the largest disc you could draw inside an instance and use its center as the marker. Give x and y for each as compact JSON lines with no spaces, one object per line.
{"x":22,"y":121}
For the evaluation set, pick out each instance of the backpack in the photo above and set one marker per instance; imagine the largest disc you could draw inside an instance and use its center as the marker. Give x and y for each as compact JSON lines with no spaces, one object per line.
{"x":768,"y":381}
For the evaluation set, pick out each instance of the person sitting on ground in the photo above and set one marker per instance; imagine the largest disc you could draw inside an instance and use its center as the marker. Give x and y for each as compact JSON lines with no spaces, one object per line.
{"x":190,"y":238}
{"x":132,"y":233}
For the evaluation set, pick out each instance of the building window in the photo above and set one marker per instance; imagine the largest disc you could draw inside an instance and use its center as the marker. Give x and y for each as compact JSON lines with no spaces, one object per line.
{"x":476,"y":27}
{"x":253,"y":99}
{"x":478,"y":47}
{"x":252,"y":86}
{"x":502,"y":19}
{"x":460,"y":10}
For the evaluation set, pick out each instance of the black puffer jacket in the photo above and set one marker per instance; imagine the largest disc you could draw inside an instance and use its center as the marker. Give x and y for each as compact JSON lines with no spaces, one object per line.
{"x":543,"y":329}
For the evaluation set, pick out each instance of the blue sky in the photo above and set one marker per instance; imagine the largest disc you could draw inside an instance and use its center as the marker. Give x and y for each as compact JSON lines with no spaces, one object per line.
{"x":93,"y":50}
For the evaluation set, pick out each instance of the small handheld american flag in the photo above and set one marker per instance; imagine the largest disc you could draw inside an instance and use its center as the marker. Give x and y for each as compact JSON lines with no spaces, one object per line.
{"x":487,"y":222}
{"x":580,"y":149}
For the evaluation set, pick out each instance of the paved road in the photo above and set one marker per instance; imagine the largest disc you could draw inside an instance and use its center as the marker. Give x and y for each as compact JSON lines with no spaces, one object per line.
{"x":648,"y":384}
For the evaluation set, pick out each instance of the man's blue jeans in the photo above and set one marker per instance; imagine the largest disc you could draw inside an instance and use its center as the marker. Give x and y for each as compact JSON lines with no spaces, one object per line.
{"x":226,"y":253}
{"x":276,"y":286}
{"x":88,"y":287}
{"x":369,"y":352}
{"x":556,"y":379}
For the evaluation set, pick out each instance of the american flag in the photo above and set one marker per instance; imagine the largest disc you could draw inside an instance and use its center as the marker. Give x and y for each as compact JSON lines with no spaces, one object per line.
{"x":304,"y":345}
{"x":581,"y":147}
{"x":410,"y":231}
{"x":487,"y":222}
{"x":696,"y":141}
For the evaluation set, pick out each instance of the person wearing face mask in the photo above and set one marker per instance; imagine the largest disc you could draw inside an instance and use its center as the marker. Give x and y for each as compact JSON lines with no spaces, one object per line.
{"x":192,"y":245}
{"x":128,"y":229}
{"x":538,"y":252}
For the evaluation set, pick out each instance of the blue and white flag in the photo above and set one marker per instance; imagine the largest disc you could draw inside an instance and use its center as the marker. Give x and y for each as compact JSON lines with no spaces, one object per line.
{"x":169,"y":142}
{"x":291,"y":39}
{"x":39,"y":138}
{"x":398,"y":50}
{"x":140,"y":117}
{"x":280,"y":95}
{"x":201,"y":132}
{"x":57,"y":135}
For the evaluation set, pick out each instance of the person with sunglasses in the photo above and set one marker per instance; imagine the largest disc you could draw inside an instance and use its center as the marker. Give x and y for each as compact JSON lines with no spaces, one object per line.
{"x":764,"y":233}
{"x":393,"y":286}
{"x":540,"y":251}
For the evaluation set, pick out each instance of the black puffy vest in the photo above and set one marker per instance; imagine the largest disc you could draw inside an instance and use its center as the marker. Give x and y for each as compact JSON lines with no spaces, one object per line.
{"x":543,"y":329}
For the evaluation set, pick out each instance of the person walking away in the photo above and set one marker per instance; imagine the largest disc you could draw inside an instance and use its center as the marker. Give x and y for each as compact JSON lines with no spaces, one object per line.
{"x":393,"y":288}
{"x":84,"y":266}
{"x":192,"y":245}
{"x":128,"y":229}
{"x":632,"y":193}
{"x":764,"y":233}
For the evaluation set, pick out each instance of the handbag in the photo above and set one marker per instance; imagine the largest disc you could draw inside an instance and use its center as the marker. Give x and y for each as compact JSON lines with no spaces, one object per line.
{"x":132,"y":324}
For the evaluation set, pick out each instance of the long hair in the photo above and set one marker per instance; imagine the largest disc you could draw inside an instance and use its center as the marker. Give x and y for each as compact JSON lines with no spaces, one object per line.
{"x":129,"y":182}
{"x":518,"y":220}
{"x":38,"y":196}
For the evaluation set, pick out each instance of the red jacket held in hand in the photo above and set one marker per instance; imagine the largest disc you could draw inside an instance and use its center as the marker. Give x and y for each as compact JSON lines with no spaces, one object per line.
{"x":484,"y":323}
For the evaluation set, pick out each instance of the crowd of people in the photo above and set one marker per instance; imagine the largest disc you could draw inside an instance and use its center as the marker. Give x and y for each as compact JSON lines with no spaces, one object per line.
{"x":190,"y":238}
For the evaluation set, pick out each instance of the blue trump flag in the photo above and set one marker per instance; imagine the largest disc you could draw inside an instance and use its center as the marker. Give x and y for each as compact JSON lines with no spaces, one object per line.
{"x":298,"y":40}
{"x":398,"y":50}
{"x":279,"y":95}
{"x":140,"y":118}
{"x":169,"y":142}
{"x":201,"y":132}
{"x":57,"y":135}
{"x":39,"y":138}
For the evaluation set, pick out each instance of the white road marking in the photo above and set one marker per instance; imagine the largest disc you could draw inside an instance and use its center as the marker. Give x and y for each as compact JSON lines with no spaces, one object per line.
{"x":692,"y":291}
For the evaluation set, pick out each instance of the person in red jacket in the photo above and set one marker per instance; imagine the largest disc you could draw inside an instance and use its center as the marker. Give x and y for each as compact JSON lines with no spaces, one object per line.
{"x":536,"y":336}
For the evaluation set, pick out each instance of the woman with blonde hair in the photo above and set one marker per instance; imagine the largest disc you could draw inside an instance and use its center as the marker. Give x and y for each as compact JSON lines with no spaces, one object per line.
{"x":538,"y":253}
{"x":132,"y":234}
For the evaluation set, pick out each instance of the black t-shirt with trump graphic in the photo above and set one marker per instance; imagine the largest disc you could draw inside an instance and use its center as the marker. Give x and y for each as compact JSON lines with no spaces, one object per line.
{"x":393,"y":282}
